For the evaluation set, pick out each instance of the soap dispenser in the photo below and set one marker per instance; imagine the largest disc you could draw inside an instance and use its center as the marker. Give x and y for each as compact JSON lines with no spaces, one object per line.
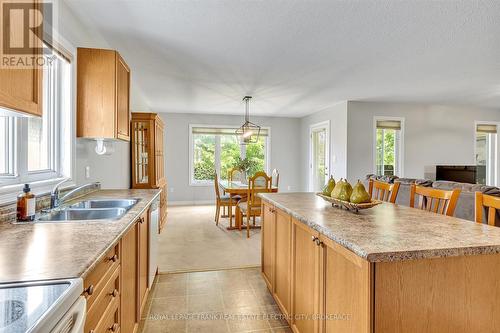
{"x":26,"y":205}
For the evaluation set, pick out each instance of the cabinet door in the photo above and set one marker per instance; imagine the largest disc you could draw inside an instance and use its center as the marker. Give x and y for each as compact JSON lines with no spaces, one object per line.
{"x":130,"y":267}
{"x":21,"y":88}
{"x":159,"y":158}
{"x":141,"y":154}
{"x":283,"y":260}
{"x":268,"y":244}
{"x":305,"y":279}
{"x":122,"y":99}
{"x":346,"y":290}
{"x":143,"y":260}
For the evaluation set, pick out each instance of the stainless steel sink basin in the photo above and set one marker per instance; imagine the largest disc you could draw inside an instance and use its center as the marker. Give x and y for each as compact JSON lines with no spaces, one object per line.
{"x":105,"y":203}
{"x":83,"y":214}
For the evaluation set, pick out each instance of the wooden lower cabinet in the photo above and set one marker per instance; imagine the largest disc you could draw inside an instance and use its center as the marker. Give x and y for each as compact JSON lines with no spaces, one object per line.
{"x":130,"y":272}
{"x":117,"y":288}
{"x":143,"y":260}
{"x":305,"y":278}
{"x":346,"y":290}
{"x":268,"y":244}
{"x":282,"y":261}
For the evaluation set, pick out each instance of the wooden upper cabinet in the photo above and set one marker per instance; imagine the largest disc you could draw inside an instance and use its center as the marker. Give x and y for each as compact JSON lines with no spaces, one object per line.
{"x":103,"y":95}
{"x":21,"y":88}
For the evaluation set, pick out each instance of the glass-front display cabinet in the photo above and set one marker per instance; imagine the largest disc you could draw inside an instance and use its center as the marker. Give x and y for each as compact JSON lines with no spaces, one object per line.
{"x":148,"y":159}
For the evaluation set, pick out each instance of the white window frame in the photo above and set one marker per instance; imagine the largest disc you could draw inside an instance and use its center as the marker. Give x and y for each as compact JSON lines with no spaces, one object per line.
{"x":192,"y":181}
{"x":492,"y":175}
{"x":42,"y":181}
{"x":400,"y":147}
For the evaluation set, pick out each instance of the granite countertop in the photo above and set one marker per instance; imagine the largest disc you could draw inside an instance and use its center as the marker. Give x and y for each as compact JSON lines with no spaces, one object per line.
{"x":390,"y":232}
{"x":60,"y":250}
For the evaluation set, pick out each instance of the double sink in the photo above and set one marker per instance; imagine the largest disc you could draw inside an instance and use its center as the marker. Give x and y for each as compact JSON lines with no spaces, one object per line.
{"x":95,"y":209}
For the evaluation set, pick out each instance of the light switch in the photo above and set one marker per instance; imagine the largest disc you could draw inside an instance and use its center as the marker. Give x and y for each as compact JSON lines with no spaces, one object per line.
{"x":87,"y":172}
{"x":171,"y":190}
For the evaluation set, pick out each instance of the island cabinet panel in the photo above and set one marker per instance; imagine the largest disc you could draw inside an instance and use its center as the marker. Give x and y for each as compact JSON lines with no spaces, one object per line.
{"x":268,"y":244}
{"x":282,"y":286}
{"x":445,"y":295}
{"x":130,"y":259}
{"x":305,"y":278}
{"x":346,"y":290}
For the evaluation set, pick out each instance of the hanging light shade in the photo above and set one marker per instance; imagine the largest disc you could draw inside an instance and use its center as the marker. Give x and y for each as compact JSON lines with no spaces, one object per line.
{"x":248,"y":132}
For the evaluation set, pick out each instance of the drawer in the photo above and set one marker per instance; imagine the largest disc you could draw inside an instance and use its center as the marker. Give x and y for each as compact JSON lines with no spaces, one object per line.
{"x":110,"y":321}
{"x":95,"y":281}
{"x":108,"y":294}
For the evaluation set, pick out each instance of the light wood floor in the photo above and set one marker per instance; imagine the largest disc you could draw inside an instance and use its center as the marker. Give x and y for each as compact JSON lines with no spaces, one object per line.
{"x":191,"y":241}
{"x":223,"y":301}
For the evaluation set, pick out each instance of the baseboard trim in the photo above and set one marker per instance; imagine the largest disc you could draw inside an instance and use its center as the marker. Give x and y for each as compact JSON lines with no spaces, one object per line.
{"x":191,"y":203}
{"x":208,"y":269}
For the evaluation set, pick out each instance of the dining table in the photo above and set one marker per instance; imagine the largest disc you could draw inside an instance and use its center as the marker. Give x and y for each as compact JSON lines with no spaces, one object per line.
{"x":236,"y":188}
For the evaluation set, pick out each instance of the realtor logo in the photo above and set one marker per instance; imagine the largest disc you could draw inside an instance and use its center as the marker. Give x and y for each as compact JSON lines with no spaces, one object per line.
{"x":25,"y":26}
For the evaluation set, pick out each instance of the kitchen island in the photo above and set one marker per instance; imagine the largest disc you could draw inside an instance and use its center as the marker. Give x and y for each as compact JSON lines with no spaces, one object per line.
{"x":387,"y":269}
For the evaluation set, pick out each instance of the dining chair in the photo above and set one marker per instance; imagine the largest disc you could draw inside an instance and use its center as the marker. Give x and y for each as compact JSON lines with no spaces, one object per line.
{"x":276,"y":178}
{"x":222,"y":201}
{"x":235,"y":174}
{"x":489,"y":202}
{"x":383,"y":191}
{"x":434,"y":200}
{"x":251,"y":206}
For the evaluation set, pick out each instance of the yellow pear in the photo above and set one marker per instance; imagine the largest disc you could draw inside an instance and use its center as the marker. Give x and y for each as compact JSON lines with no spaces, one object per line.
{"x":359,"y":194}
{"x":327,"y":190}
{"x":345,"y":191}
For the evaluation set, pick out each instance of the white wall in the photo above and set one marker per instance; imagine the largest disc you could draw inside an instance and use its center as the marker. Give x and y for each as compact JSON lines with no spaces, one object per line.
{"x":113,"y":171}
{"x":285,"y":152}
{"x":337,"y":115}
{"x":433,"y":135}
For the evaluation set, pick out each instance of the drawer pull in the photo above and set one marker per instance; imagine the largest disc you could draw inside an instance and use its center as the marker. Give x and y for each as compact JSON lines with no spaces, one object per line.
{"x":141,"y":220}
{"x":114,"y":293}
{"x":113,"y":258}
{"x":90,"y":290}
{"x":114,"y":328}
{"x":314,"y":239}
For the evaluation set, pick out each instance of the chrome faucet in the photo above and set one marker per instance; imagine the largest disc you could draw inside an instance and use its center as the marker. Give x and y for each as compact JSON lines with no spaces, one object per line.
{"x":55,"y":201}
{"x":54,"y":195}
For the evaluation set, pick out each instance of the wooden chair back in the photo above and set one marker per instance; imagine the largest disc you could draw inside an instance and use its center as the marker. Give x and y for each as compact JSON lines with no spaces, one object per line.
{"x":489,"y":202}
{"x":383,"y":191}
{"x":235,"y":174}
{"x":276,"y":178}
{"x":259,"y":183}
{"x":217,"y":189}
{"x":434,"y":200}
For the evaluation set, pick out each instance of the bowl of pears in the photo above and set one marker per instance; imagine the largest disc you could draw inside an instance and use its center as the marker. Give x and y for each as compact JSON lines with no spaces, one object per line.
{"x":343,"y":195}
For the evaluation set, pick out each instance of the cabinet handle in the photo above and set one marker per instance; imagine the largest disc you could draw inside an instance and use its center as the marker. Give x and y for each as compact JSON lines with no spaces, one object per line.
{"x":113,"y":258}
{"x":114,"y":293}
{"x":141,"y":220}
{"x":114,"y":328}
{"x":90,"y":290}
{"x":318,"y":242}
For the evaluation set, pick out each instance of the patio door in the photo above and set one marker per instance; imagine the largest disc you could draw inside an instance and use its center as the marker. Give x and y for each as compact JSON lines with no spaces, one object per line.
{"x":319,"y":157}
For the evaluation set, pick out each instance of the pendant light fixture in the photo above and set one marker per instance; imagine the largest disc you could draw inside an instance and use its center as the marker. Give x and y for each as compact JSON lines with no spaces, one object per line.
{"x":248,"y":132}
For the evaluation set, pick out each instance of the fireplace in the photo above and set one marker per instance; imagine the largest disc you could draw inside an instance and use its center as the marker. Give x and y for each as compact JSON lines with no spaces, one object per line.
{"x":471,"y":174}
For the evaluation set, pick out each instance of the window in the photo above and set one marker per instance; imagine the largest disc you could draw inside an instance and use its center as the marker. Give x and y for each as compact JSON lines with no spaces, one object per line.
{"x":36,"y":148}
{"x":486,"y":156}
{"x":388,"y":146}
{"x":217,"y":149}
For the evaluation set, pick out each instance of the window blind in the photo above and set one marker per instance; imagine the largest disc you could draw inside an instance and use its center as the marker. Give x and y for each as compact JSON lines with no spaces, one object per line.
{"x":389,"y":124}
{"x":486,"y":128}
{"x":222,"y":131}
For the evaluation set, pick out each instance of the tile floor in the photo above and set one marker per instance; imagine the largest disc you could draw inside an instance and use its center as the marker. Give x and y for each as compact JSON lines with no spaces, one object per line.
{"x":223,"y":301}
{"x":192,"y":242}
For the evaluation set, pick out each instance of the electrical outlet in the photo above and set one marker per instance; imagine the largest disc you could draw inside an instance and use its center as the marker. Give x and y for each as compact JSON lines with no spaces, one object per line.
{"x":87,"y":172}
{"x":289,"y":188}
{"x":171,"y":190}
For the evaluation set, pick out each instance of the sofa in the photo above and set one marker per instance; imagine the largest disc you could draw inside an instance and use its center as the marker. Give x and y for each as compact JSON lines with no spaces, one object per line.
{"x":466,"y":202}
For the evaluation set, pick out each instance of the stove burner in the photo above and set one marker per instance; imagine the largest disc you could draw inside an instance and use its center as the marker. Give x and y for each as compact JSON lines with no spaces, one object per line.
{"x":11,"y":312}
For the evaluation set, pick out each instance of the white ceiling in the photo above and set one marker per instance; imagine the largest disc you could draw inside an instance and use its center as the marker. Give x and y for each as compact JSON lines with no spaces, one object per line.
{"x":298,"y":57}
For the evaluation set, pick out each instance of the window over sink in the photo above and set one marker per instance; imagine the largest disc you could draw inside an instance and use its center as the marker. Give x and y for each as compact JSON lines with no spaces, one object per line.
{"x":217,"y":149}
{"x":36,"y":148}
{"x":389,"y":146}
